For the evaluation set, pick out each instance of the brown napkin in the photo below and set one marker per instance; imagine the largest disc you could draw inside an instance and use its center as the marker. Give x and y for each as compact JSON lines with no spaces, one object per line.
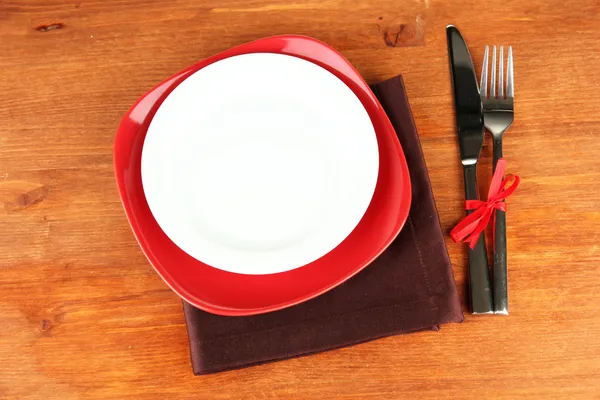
{"x":410,"y":287}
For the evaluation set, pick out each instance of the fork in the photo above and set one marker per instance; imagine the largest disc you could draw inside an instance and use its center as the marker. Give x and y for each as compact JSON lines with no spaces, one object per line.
{"x":498,"y":115}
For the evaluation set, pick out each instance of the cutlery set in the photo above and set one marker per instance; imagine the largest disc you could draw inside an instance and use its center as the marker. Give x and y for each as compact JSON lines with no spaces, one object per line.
{"x":491,"y":106}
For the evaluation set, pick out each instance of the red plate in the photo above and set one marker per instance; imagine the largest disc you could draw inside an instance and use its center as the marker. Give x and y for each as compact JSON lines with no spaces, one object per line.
{"x":227,"y":293}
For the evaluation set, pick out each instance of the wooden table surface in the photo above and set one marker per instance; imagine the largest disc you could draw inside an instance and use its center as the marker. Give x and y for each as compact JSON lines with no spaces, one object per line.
{"x":84,"y":316}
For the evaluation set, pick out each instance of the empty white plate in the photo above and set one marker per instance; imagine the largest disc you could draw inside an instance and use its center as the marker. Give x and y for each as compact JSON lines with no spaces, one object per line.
{"x":259,"y":163}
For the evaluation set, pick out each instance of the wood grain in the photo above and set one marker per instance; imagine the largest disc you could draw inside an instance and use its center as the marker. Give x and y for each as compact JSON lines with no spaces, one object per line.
{"x":84,"y":316}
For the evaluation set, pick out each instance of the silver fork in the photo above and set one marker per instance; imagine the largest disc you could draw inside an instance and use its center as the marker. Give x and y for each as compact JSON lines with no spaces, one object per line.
{"x":498,"y":115}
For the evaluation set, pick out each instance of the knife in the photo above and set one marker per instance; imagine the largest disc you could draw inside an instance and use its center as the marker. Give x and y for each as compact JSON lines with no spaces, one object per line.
{"x":469,"y":122}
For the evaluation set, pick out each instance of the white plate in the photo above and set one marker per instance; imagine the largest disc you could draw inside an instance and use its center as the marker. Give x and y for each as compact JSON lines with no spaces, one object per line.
{"x":260,"y":163}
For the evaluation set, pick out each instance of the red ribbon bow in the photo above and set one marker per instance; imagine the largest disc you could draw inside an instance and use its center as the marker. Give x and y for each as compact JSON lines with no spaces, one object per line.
{"x":469,"y":229}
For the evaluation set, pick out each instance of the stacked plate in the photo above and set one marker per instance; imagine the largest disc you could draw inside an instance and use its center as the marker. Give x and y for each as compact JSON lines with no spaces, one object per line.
{"x":262,"y":176}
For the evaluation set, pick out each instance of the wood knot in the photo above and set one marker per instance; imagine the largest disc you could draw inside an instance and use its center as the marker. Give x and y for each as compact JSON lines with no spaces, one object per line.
{"x":46,"y":327}
{"x":50,"y":27}
{"x":405,"y":34}
{"x":28,"y":198}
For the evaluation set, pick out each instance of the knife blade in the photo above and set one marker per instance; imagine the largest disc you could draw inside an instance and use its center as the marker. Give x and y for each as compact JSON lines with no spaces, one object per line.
{"x":469,"y":123}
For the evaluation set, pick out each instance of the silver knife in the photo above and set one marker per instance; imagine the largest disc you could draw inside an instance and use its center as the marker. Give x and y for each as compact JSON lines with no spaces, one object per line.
{"x":469,"y":122}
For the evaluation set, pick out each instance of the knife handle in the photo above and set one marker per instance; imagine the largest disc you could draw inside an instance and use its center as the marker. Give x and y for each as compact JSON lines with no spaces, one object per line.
{"x":479,"y":273}
{"x":500,"y":263}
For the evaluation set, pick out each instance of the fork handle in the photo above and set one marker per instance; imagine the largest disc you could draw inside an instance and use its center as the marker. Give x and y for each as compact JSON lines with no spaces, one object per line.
{"x":500,"y":270}
{"x":479,"y":273}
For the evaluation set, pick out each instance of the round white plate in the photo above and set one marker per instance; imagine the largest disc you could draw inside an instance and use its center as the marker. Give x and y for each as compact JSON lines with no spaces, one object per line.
{"x":259,"y":163}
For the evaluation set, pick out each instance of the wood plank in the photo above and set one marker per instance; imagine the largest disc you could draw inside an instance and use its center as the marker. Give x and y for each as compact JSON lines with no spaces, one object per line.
{"x":84,"y":316}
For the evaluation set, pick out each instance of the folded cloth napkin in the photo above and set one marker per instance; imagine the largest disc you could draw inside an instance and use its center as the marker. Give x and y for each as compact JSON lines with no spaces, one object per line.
{"x":410,"y":287}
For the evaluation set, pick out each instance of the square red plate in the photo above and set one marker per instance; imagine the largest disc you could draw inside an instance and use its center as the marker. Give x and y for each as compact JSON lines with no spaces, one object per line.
{"x":227,"y":293}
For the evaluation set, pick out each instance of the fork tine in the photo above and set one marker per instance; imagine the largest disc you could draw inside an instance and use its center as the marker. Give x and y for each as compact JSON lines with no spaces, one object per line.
{"x":510,"y":80}
{"x":493,"y":81}
{"x":483,"y":84}
{"x":501,"y":74}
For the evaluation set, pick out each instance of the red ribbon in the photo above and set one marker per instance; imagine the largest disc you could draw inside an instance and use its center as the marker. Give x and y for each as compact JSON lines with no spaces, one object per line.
{"x":469,"y":229}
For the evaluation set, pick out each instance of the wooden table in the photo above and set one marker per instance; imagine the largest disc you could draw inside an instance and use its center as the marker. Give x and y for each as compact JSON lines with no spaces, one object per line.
{"x":84,"y":316}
